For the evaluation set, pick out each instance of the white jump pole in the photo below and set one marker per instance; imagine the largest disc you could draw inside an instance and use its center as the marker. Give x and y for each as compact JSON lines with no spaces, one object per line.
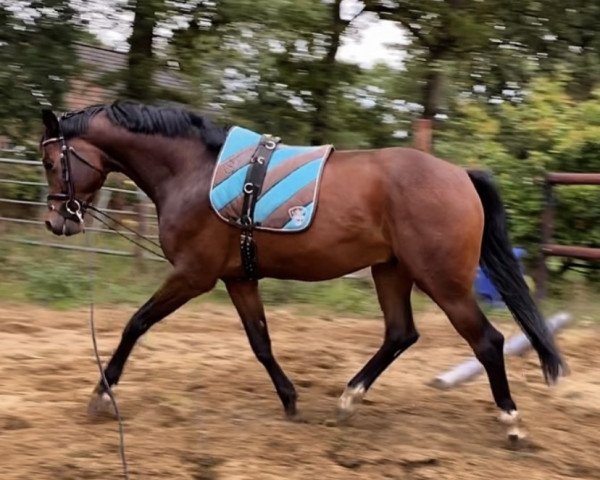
{"x":516,"y":345}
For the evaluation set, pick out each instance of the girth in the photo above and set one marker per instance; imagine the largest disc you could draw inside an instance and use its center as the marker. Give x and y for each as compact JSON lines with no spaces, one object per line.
{"x":252,"y":189}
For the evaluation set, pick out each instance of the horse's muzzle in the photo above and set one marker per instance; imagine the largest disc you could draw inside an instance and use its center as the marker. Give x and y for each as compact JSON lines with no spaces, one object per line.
{"x":59,"y":225}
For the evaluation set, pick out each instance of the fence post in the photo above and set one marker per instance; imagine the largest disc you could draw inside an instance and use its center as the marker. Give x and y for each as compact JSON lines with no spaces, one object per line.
{"x":141,"y":230}
{"x":547,"y":232}
{"x":103,"y":201}
{"x":422,"y":131}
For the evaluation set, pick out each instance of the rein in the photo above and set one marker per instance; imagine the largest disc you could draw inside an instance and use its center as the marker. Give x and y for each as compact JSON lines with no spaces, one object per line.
{"x":105,"y":383}
{"x":91,"y":208}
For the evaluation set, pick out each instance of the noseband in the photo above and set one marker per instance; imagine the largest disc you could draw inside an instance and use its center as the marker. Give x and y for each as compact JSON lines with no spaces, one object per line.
{"x":74,"y":207}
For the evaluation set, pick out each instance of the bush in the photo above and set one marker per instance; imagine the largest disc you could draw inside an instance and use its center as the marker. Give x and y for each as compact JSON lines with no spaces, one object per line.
{"x":518,"y":143}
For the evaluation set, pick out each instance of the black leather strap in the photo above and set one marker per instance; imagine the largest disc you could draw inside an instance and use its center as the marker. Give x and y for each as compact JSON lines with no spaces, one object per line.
{"x":256,"y":176}
{"x":252,"y":188}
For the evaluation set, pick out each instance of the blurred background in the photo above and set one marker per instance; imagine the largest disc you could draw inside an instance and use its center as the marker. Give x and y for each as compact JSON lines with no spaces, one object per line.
{"x":510,"y":86}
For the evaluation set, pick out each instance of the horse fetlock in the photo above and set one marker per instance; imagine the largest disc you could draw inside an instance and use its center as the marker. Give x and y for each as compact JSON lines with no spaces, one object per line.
{"x":350,"y":400}
{"x":100,"y":404}
{"x":289,"y":397}
{"x":510,"y":417}
{"x":512,"y":420}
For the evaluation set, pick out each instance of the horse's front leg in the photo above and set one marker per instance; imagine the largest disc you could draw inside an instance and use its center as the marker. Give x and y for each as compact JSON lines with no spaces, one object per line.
{"x":247,"y":301}
{"x":173,"y":293}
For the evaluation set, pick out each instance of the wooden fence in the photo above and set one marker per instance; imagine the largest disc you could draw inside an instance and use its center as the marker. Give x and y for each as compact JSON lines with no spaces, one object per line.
{"x":141,"y":215}
{"x":549,"y":248}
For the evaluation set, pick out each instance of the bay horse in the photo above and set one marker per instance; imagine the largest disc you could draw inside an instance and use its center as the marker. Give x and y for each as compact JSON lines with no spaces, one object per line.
{"x":413,"y":218}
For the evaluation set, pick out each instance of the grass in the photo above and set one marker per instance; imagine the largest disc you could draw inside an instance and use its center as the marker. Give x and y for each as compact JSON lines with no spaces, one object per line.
{"x":61,"y":279}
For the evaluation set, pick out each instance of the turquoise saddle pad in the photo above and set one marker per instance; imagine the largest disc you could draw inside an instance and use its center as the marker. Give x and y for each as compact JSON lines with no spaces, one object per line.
{"x":288,"y":199}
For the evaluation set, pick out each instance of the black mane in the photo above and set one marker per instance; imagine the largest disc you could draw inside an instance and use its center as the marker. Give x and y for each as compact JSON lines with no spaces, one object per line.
{"x":147,"y":119}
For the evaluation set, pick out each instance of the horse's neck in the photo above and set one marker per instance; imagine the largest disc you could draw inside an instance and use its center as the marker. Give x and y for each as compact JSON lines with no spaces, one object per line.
{"x":161,"y":166}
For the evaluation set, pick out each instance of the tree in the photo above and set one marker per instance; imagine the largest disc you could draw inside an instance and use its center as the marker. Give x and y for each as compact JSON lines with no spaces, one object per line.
{"x":141,"y":60}
{"x":568,"y":39}
{"x":327,"y":74}
{"x":442,"y":31}
{"x":277,"y":59}
{"x":550,"y":130}
{"x":37,"y":58}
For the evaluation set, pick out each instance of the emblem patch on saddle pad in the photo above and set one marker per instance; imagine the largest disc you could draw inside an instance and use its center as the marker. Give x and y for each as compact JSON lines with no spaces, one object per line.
{"x":289,"y":194}
{"x":298,"y":215}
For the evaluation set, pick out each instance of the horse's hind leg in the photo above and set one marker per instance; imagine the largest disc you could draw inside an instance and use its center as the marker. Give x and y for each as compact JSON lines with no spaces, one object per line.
{"x":246,"y":298}
{"x":393,"y":291}
{"x":487,"y":344}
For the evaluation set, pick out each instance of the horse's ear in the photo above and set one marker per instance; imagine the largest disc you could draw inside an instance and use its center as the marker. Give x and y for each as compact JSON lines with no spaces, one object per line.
{"x":50,"y":122}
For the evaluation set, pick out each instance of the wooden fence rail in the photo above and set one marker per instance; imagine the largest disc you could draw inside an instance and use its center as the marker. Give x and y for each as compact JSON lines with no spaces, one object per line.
{"x":142,"y":216}
{"x":549,"y":248}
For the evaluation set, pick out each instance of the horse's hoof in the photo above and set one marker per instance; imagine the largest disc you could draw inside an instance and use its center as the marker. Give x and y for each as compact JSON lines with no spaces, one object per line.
{"x":297,"y":418}
{"x":291,"y":413}
{"x":514,"y":433}
{"x":100,"y":405}
{"x":289,"y":399}
{"x":516,"y":436}
{"x":349,"y":401}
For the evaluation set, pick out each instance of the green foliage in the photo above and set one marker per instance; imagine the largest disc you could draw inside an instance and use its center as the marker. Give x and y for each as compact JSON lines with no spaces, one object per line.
{"x":37,"y":58}
{"x":61,"y":279}
{"x":141,"y":61}
{"x":347,"y":295}
{"x":519,"y":142}
{"x":54,"y":283}
{"x":20,"y":173}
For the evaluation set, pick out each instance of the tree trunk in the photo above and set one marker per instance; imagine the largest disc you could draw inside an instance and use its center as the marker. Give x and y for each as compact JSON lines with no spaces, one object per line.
{"x":431,"y":98}
{"x":327,"y":80}
{"x":432,"y":92}
{"x":139,"y":83}
{"x":422,"y":138}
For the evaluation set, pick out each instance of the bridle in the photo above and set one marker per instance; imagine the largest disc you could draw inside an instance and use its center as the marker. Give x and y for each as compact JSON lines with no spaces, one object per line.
{"x":74,"y":207}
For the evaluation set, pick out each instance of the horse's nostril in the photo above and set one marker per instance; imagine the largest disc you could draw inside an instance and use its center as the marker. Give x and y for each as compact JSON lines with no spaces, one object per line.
{"x":48,"y":225}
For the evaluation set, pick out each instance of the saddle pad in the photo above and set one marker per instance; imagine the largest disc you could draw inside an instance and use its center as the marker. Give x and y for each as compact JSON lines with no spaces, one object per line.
{"x":288,"y":198}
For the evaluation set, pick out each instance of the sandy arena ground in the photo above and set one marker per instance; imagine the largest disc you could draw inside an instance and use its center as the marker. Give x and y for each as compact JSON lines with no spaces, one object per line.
{"x":198,"y":406}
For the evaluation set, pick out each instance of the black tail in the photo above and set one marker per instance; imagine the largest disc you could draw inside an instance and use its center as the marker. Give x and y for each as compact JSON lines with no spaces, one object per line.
{"x":500,"y":264}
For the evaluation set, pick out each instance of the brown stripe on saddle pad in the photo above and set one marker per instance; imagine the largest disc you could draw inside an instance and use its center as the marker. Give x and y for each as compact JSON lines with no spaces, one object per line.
{"x":281,"y":216}
{"x":233,"y":164}
{"x":283,"y":170}
{"x":234,"y":208}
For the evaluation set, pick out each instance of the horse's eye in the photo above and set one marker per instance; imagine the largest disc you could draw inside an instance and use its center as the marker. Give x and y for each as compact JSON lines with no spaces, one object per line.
{"x":48,"y":165}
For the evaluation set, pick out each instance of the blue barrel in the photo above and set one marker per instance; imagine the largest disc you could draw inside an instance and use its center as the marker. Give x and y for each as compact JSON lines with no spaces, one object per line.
{"x":484,"y":287}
